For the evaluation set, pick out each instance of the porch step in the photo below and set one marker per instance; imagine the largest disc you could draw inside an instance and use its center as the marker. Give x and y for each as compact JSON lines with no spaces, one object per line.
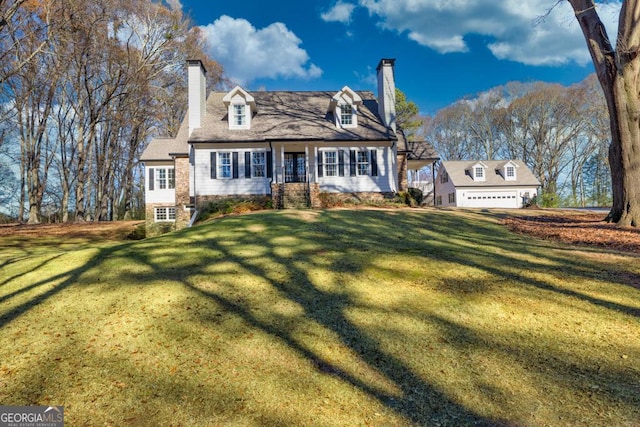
{"x":296,"y":195}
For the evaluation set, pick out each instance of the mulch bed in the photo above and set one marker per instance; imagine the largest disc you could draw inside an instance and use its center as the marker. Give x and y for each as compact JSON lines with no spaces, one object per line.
{"x":579,"y":229}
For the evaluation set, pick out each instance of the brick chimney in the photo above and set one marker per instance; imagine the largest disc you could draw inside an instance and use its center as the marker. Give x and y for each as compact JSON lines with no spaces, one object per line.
{"x":387,"y":93}
{"x":197,"y":80}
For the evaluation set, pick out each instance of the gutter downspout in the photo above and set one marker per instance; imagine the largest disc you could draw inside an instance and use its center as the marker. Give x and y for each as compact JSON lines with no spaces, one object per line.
{"x":433,"y":178}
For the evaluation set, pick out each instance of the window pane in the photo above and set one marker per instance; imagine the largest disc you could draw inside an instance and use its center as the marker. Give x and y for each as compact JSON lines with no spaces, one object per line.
{"x":171,"y":214}
{"x":258,"y":164}
{"x":511,"y":172}
{"x":224,"y":165}
{"x":239,"y":116}
{"x":479,"y":172}
{"x":171,"y":173}
{"x":162,"y":178}
{"x":363,"y":163}
{"x":161,"y":214}
{"x":330,"y":163}
{"x":346,"y":114}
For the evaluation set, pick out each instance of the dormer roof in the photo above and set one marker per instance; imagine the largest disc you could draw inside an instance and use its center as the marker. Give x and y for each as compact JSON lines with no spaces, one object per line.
{"x":345,"y":95}
{"x":239,"y":91}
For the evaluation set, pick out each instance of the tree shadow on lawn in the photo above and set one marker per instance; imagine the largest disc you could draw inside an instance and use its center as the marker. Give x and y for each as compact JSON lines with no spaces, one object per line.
{"x":341,"y":241}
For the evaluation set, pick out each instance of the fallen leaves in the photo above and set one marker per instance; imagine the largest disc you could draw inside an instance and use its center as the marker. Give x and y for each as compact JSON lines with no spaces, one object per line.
{"x":578,"y":229}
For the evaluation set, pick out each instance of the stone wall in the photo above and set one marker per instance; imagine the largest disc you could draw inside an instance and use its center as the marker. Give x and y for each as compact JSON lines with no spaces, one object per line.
{"x":327,"y":200}
{"x":183,"y":216}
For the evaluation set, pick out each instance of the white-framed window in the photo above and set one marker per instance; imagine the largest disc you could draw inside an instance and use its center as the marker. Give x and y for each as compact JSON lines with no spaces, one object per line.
{"x":224,"y":165}
{"x":330,"y":163}
{"x":479,"y":172}
{"x":346,"y":114}
{"x":167,"y":214}
{"x":362,"y":163}
{"x":510,"y":173}
{"x":239,"y":115}
{"x":165,"y":178}
{"x":258,"y":164}
{"x":452,"y":197}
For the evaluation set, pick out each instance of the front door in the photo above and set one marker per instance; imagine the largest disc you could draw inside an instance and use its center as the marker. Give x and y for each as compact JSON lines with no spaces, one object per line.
{"x":294,"y":167}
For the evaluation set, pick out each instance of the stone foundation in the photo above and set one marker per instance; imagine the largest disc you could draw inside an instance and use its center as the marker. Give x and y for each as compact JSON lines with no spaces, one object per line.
{"x":153,"y":228}
{"x":328,"y":200}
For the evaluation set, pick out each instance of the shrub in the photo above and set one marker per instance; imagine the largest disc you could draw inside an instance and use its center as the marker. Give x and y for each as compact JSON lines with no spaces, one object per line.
{"x":220,"y":207}
{"x":417,"y":195}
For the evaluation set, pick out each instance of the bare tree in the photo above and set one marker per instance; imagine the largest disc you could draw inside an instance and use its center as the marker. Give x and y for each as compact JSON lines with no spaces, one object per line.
{"x":618,"y":71}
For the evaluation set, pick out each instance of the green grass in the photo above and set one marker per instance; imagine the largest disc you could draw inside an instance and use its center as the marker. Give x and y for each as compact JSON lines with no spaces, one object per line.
{"x":339,"y":317}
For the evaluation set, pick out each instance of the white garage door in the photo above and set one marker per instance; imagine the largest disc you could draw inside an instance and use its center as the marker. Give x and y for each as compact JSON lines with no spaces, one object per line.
{"x":492,"y":199}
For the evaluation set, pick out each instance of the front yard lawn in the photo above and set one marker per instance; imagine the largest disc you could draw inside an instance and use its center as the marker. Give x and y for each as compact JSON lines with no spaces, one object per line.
{"x":337,"y":317}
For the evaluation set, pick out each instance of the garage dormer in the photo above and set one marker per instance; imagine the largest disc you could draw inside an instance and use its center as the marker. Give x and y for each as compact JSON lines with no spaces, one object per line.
{"x":344,"y":106}
{"x":508,"y":171}
{"x":241,"y":107}
{"x":478,"y":172}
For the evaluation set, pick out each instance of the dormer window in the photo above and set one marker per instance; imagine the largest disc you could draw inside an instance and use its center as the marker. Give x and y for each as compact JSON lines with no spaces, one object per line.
{"x":240,"y":108}
{"x":239,"y":115}
{"x":509,"y":171}
{"x":478,"y":171}
{"x":346,"y":114}
{"x":344,"y":107}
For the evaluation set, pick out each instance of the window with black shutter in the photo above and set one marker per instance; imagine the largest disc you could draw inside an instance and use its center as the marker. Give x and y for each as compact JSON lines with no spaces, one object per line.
{"x":213,"y":165}
{"x":352,"y":162}
{"x":234,"y":169}
{"x":374,"y":162}
{"x":247,"y":164}
{"x":320,"y":164}
{"x":151,"y":179}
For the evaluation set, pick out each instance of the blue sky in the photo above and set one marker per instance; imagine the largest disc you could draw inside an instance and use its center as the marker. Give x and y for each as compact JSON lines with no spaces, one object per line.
{"x":444,"y":49}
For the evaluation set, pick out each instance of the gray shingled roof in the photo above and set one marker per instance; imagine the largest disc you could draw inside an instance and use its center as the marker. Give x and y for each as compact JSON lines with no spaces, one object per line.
{"x":294,"y":116}
{"x":420,"y":150}
{"x":282,"y":116}
{"x":459,"y":176}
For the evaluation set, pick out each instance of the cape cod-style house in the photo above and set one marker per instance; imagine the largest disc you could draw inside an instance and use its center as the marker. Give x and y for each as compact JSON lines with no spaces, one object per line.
{"x":290,"y":146}
{"x":485,"y":184}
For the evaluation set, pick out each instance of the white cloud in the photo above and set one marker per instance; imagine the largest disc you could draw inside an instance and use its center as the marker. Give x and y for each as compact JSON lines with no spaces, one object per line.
{"x":247,"y":53}
{"x":340,"y":12}
{"x":512,"y":25}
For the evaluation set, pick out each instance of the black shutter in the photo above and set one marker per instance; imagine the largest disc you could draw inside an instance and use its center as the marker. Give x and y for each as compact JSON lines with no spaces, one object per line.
{"x":213,"y":166}
{"x":320,"y":166}
{"x":341,"y":163}
{"x":247,"y":164}
{"x":235,"y":165}
{"x":151,"y":180}
{"x":352,"y":162}
{"x":374,"y":162}
{"x":269,"y":165}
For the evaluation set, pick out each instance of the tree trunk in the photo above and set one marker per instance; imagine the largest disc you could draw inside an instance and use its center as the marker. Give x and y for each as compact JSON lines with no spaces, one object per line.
{"x":618,"y":72}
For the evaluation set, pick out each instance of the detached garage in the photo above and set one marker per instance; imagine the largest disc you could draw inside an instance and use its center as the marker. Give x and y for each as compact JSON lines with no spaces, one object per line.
{"x":485,"y":184}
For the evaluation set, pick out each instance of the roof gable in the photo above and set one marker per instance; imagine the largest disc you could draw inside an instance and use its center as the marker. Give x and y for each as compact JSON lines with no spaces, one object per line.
{"x":460,"y":173}
{"x":239,"y":92}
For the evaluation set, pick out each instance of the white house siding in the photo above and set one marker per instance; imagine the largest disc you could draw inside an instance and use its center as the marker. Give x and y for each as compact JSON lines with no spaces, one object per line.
{"x":165,"y":196}
{"x":384,"y":182}
{"x":443,"y":189}
{"x":204,"y":185}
